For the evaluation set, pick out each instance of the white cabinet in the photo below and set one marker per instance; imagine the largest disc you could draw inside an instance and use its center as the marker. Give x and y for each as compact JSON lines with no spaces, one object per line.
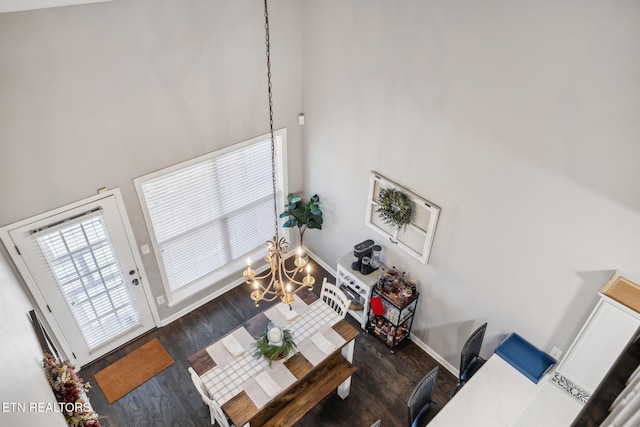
{"x":357,"y":286}
{"x":598,"y":344}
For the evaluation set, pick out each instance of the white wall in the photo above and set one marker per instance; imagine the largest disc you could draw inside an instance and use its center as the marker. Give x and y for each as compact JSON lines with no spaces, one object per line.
{"x":23,"y":378}
{"x":96,"y":95}
{"x":519,"y":119}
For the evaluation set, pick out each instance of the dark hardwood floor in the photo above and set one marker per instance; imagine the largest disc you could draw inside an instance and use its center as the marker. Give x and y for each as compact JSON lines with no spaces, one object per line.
{"x":379,"y":389}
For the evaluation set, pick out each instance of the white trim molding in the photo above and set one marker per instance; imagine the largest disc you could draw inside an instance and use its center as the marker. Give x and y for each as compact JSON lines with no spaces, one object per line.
{"x":431,"y":352}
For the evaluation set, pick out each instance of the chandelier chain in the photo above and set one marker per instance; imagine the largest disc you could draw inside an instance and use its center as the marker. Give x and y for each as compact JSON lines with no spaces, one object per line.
{"x":273,"y":143}
{"x":282,"y":281}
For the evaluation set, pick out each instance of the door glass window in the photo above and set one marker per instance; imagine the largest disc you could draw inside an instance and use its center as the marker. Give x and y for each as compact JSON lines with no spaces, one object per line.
{"x":82,"y":260}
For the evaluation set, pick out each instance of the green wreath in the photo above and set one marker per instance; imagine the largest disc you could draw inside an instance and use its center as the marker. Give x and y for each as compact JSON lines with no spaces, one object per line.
{"x":395,"y":208}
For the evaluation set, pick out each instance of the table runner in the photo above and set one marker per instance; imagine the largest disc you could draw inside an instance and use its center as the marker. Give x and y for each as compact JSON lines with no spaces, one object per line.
{"x":221,"y":355}
{"x":226,"y":381}
{"x":276,"y":316}
{"x":318,"y":316}
{"x":280,"y":374}
{"x":310,"y":350}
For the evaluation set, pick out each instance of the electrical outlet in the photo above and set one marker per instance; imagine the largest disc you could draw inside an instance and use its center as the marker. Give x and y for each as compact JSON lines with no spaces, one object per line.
{"x":145,"y":249}
{"x":160,"y":300}
{"x":555,"y":353}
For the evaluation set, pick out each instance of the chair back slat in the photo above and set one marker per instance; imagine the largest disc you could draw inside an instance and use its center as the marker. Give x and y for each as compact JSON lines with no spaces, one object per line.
{"x":216,"y":411}
{"x":331,"y":295}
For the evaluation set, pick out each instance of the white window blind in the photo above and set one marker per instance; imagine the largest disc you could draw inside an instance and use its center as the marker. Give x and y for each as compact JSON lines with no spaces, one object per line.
{"x":208,"y":212}
{"x":82,"y":261}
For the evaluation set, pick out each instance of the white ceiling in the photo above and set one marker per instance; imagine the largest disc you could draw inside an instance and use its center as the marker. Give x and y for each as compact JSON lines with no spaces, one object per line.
{"x":18,"y":5}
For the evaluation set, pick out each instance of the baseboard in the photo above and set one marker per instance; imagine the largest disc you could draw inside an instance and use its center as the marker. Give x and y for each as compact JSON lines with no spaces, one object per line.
{"x":431,"y":352}
{"x":448,"y":366}
{"x":316,"y":258}
{"x":175,"y":316}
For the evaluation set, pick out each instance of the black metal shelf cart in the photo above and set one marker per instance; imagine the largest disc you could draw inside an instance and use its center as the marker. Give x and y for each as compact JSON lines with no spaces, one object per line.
{"x":394,"y":326}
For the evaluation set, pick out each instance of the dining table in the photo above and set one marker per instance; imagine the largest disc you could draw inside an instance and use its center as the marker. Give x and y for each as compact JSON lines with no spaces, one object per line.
{"x":252,"y":391}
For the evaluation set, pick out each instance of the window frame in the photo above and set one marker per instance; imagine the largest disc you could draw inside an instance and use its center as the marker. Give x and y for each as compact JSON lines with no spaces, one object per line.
{"x":233,"y":268}
{"x":94,"y":336}
{"x":417,"y":237}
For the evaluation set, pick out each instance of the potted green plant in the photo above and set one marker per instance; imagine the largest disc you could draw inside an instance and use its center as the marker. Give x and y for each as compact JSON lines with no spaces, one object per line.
{"x":275,"y":343}
{"x":302,"y":215}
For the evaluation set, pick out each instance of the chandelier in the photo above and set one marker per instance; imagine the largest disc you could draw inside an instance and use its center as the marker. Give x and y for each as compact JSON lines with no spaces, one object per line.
{"x":282,"y":280}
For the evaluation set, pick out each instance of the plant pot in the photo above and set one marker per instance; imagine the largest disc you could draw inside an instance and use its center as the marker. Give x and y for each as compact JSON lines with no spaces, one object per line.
{"x":279,"y":357}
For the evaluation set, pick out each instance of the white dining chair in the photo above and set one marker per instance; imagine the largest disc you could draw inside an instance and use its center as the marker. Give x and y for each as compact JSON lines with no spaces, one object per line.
{"x":216,"y":411}
{"x":334,"y":298}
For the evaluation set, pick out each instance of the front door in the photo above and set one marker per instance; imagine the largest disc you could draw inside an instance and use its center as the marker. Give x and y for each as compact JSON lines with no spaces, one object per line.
{"x":79,"y":264}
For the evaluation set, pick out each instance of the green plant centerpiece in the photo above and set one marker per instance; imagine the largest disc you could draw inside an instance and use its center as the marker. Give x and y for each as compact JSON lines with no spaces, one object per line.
{"x":395,"y":208}
{"x":302,"y":215}
{"x":275,"y":343}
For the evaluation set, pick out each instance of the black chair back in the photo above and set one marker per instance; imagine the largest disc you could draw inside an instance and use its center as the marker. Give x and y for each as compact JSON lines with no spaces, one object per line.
{"x":422,"y":394}
{"x":470,"y":360}
{"x":472,"y":347}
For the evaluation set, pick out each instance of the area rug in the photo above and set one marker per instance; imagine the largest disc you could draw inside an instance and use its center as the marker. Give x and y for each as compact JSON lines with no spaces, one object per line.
{"x":133,"y":370}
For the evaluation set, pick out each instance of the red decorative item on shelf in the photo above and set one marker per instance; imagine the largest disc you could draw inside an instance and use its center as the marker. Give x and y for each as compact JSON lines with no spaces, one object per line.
{"x":376,"y":305}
